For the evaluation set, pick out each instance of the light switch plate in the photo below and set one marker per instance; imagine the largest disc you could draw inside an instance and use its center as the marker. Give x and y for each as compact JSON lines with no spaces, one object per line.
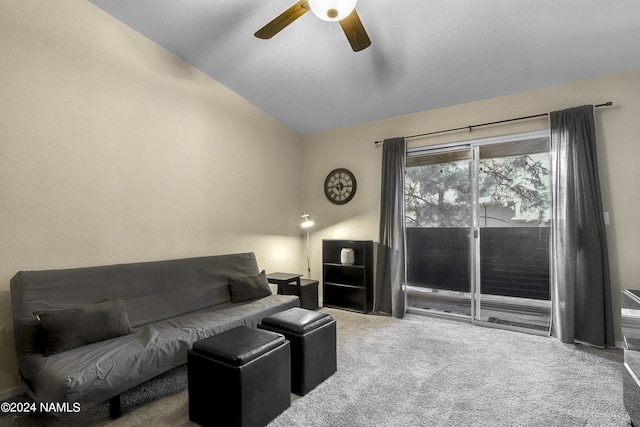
{"x":606,"y":218}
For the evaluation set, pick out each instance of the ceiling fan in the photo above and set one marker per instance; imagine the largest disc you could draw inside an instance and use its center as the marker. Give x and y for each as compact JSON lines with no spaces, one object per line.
{"x":328,"y":10}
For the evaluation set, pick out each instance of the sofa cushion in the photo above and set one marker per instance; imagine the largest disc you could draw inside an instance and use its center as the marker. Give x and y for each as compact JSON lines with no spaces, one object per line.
{"x":99,"y":371}
{"x":246,"y":288}
{"x":74,"y":327}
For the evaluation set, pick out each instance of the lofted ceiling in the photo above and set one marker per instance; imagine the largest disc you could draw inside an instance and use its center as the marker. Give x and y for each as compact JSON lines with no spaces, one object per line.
{"x":424,"y":54}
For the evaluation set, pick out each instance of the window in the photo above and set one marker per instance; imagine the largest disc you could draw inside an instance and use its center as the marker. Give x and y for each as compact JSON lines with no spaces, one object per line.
{"x":478,"y":219}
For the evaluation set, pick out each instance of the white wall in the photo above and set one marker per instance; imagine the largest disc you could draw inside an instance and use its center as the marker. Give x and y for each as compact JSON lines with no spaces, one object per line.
{"x":618,"y":145}
{"x":114,"y":150}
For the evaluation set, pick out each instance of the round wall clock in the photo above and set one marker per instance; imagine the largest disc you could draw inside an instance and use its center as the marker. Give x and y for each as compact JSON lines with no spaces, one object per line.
{"x":340,"y":186}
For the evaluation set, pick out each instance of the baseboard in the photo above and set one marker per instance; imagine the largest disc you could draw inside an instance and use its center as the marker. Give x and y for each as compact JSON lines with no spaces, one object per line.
{"x":12,"y":392}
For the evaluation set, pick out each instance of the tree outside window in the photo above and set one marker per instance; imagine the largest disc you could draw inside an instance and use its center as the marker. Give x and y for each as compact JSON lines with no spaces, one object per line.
{"x":439,"y":195}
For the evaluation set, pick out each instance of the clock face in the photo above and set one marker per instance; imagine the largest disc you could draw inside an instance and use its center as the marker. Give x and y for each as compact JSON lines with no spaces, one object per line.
{"x":340,"y":186}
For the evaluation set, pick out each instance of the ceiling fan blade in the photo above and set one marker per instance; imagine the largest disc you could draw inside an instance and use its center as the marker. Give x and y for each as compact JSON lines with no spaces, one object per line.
{"x":282,"y":20}
{"x":355,"y":32}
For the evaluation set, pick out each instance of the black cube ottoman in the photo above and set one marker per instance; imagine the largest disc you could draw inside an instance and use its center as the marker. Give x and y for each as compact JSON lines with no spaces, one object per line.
{"x":307,"y":291}
{"x":312,"y":335}
{"x":240,"y":377}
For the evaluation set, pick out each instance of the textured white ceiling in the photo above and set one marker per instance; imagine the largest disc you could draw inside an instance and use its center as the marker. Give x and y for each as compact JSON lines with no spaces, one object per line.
{"x":424,"y":54}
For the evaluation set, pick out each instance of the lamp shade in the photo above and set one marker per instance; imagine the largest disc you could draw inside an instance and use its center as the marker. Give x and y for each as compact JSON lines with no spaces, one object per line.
{"x":332,"y":10}
{"x":306,"y":220}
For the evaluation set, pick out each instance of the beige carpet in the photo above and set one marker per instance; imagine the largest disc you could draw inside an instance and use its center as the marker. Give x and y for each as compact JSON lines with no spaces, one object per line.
{"x":418,"y":371}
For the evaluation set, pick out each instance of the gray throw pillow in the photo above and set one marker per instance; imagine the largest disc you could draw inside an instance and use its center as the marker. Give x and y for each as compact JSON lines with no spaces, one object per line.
{"x":249,"y":287}
{"x":69,"y":328}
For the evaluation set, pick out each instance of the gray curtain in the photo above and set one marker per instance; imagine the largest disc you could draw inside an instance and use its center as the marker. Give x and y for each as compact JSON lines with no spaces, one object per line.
{"x":580,"y":288}
{"x":390,"y":295}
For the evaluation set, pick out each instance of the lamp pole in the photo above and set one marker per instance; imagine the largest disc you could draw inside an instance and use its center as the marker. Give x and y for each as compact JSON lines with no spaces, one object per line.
{"x":306,"y":224}
{"x":308,"y":256}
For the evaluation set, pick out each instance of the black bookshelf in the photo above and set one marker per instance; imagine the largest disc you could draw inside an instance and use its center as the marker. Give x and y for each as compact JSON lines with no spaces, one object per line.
{"x":347,"y":286}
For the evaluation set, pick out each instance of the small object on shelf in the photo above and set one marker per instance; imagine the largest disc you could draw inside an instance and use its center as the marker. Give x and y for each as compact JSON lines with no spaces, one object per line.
{"x":347,"y":256}
{"x":347,"y":286}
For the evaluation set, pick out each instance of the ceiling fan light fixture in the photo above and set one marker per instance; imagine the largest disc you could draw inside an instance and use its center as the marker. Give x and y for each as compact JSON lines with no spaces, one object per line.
{"x":332,"y":10}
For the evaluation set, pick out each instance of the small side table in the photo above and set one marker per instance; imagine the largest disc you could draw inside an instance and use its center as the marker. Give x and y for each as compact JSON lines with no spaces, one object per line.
{"x":283,"y":279}
{"x":291,"y":284}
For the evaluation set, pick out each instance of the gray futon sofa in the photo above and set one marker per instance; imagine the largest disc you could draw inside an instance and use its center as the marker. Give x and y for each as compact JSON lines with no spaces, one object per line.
{"x":150,"y":313}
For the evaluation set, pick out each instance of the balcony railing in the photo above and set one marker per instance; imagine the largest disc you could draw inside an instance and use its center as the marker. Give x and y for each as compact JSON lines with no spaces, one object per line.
{"x":514,"y":261}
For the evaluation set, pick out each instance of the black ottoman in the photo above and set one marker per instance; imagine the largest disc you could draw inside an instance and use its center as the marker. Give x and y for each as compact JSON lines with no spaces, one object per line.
{"x":307,"y":291}
{"x":240,"y":377}
{"x":312,"y":335}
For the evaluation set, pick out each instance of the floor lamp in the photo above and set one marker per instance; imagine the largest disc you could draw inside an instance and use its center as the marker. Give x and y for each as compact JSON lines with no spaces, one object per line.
{"x":307,"y":223}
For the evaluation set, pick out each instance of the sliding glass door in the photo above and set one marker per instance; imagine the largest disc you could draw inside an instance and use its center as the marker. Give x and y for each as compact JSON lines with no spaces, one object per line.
{"x":513,"y":218}
{"x":438,"y":231}
{"x":478,"y":221}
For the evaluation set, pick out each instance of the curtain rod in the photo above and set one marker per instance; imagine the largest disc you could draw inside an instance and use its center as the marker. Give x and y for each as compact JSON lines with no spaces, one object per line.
{"x":470,"y":127}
